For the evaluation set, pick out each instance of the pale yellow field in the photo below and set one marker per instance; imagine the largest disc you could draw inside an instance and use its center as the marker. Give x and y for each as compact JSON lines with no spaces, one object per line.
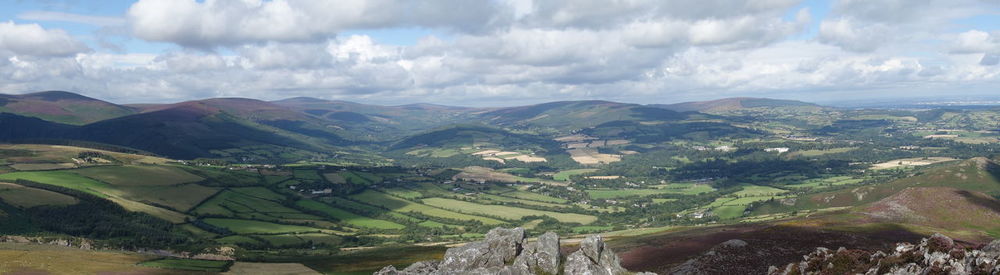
{"x":244,"y":268}
{"x":909,"y":162}
{"x":48,"y":259}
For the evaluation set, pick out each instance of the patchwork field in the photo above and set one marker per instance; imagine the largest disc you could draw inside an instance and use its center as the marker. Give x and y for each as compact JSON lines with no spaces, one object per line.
{"x":139,"y":175}
{"x":236,"y":203}
{"x":565,"y":174}
{"x":506,"y":212}
{"x":590,"y":156}
{"x":910,"y":162}
{"x":477,"y":173}
{"x":401,"y":205}
{"x":73,"y":181}
{"x":348,"y":217}
{"x":27,"y":197}
{"x":677,"y":188}
{"x":258,"y":227}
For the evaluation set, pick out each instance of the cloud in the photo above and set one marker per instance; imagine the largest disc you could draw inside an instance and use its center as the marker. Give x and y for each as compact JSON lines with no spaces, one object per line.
{"x":869,"y":25}
{"x":33,"y":40}
{"x":103,"y":21}
{"x":235,"y":22}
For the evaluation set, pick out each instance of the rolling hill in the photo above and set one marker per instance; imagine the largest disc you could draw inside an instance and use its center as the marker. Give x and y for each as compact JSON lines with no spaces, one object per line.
{"x":239,"y":129}
{"x":375,"y":122}
{"x":568,"y":116}
{"x":728,"y":104}
{"x":62,"y":107}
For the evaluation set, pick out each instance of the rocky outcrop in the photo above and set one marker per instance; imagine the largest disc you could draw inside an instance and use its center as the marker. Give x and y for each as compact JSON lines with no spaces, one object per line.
{"x":505,"y":251}
{"x":935,"y":255}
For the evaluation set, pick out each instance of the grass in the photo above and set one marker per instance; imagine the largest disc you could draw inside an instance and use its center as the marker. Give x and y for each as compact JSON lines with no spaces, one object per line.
{"x":236,"y":204}
{"x":679,"y":188}
{"x":48,"y":259}
{"x":348,"y":217}
{"x":757,"y":190}
{"x":566,"y":174}
{"x":182,"y":198}
{"x":826,"y":182}
{"x":524,"y":195}
{"x":146,"y":175}
{"x":189,"y":264}
{"x":259,"y":192}
{"x":592,"y":229}
{"x":814,"y":153}
{"x":27,"y":197}
{"x":76,"y":182}
{"x":270,"y":268}
{"x":238,"y":239}
{"x":404,"y":193}
{"x":506,"y":212}
{"x":502,"y":199}
{"x":729,"y":211}
{"x":401,"y":205}
{"x":257,"y":227}
{"x":41,"y":166}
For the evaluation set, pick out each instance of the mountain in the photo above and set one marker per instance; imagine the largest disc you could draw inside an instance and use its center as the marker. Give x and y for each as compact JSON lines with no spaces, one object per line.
{"x":239,"y":129}
{"x":567,"y":116}
{"x":62,"y":107}
{"x":736,"y":103}
{"x":375,"y":122}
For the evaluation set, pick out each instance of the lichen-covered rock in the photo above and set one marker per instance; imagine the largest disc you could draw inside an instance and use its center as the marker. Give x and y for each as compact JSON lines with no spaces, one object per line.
{"x":935,"y":255}
{"x":504,"y":252}
{"x":594,"y":258}
{"x":500,"y":248}
{"x":542,"y":255}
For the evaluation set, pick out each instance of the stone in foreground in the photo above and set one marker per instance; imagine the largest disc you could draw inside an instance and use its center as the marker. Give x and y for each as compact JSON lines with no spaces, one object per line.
{"x":505,"y":251}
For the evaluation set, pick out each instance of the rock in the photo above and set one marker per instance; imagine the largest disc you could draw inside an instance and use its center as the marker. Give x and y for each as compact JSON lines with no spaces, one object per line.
{"x":504,"y":252}
{"x":542,"y":255}
{"x":935,"y":255}
{"x":500,"y":247}
{"x":594,"y":258}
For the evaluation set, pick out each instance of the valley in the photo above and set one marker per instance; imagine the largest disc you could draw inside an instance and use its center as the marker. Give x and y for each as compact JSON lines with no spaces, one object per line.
{"x":346,"y":188}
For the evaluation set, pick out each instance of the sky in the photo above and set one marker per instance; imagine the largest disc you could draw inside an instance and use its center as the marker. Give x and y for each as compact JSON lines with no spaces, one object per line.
{"x":501,"y":52}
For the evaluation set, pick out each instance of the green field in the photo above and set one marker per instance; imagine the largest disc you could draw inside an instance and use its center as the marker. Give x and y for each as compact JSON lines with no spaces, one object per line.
{"x":757,"y":190}
{"x":146,"y":175}
{"x":61,"y":178}
{"x":182,"y":197}
{"x":679,"y":189}
{"x":729,"y":211}
{"x":502,"y":199}
{"x":506,"y":212}
{"x":236,"y":204}
{"x":348,"y":217}
{"x":189,"y":264}
{"x":564,"y":175}
{"x":257,"y":227}
{"x":826,"y":182}
{"x":27,"y":197}
{"x":401,"y":205}
{"x":259,"y":192}
{"x":524,"y":195}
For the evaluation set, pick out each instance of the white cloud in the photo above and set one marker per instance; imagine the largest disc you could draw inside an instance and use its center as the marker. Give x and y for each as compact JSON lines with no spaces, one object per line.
{"x":103,"y":21}
{"x":33,"y":40}
{"x":234,"y":22}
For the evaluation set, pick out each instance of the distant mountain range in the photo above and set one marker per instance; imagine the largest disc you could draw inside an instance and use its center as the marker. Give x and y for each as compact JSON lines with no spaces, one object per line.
{"x":241,"y":128}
